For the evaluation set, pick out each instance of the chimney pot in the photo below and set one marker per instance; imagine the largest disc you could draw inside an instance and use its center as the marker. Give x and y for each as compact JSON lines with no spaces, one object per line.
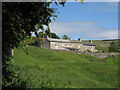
{"x":90,"y":41}
{"x":69,"y":38}
{"x":79,"y":39}
{"x":47,"y":37}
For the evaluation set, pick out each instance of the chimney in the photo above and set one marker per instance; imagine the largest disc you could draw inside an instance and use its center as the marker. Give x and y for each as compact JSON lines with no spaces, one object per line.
{"x":90,"y":41}
{"x":47,"y":37}
{"x":79,"y":39}
{"x":69,"y":38}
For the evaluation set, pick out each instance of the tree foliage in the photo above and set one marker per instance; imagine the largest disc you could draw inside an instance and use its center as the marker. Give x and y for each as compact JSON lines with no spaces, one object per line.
{"x":19,"y":19}
{"x":65,"y":37}
{"x":48,"y":31}
{"x":31,"y":41}
{"x":113,"y":47}
{"x":51,"y":35}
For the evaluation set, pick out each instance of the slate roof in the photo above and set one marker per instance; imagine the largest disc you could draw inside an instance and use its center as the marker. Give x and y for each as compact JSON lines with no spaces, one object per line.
{"x":88,"y":44}
{"x":72,"y":48}
{"x":70,"y":41}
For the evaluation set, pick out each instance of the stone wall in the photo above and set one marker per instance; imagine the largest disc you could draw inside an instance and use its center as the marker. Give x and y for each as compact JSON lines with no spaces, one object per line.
{"x":46,"y":44}
{"x":100,"y":55}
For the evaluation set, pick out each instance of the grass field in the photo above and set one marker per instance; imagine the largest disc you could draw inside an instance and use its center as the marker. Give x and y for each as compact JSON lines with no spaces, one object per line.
{"x":48,"y":68}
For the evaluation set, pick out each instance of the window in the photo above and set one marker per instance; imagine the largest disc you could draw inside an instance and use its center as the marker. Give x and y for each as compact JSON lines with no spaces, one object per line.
{"x":85,"y":47}
{"x":62,"y":44}
{"x":78,"y":46}
{"x":90,"y":48}
{"x":70,"y":44}
{"x":56,"y":44}
{"x":66,"y":44}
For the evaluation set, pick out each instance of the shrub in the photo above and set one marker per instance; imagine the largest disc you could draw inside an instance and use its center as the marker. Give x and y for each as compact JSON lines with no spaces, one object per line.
{"x":37,"y":41}
{"x":113,"y":47}
{"x":89,"y":51}
{"x":31,"y":41}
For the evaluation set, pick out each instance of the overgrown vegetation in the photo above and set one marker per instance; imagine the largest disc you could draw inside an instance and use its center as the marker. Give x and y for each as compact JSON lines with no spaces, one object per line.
{"x":113,"y":47}
{"x":42,"y":68}
{"x":31,"y":41}
{"x":89,"y":51}
{"x":51,"y":35}
{"x":65,"y":37}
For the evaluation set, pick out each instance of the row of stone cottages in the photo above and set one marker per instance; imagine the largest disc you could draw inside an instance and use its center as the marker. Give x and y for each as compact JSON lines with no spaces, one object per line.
{"x":75,"y":45}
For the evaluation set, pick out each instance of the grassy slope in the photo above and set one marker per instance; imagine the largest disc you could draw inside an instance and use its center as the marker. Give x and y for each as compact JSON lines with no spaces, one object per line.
{"x":103,"y":45}
{"x":64,"y":69}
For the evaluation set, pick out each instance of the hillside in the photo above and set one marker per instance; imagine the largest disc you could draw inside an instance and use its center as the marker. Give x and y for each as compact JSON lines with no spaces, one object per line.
{"x":103,"y":45}
{"x":48,"y":68}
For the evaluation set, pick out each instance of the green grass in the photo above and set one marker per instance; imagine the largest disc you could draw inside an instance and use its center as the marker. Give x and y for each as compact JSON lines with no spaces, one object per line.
{"x":48,"y":68}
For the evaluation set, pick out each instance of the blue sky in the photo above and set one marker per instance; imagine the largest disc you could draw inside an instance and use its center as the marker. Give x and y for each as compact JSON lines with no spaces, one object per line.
{"x":90,"y":20}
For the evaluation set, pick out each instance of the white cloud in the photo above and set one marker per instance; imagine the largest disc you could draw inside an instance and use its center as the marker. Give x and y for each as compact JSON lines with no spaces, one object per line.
{"x":111,"y":34}
{"x":85,"y":30}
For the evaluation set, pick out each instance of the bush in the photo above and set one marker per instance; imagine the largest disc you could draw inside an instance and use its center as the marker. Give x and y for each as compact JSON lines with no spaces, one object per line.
{"x":113,"y":47}
{"x":31,"y":41}
{"x":37,"y":41}
{"x":98,"y":51}
{"x":89,"y":51}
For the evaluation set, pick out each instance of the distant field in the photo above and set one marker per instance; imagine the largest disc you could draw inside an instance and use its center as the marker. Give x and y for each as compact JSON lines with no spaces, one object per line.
{"x":103,"y":45}
{"x":48,"y":68}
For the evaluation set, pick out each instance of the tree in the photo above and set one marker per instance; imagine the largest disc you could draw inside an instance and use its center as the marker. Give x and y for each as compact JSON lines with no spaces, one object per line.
{"x":48,"y":31}
{"x":53,"y":35}
{"x":65,"y":37}
{"x":19,"y":19}
{"x":41,"y":34}
{"x":113,"y":47}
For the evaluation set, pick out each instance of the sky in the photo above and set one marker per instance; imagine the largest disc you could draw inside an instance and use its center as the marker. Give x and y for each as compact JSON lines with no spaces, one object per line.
{"x":89,"y":20}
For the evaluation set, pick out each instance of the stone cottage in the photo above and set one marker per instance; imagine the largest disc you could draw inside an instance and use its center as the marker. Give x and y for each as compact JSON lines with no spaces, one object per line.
{"x":75,"y":45}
